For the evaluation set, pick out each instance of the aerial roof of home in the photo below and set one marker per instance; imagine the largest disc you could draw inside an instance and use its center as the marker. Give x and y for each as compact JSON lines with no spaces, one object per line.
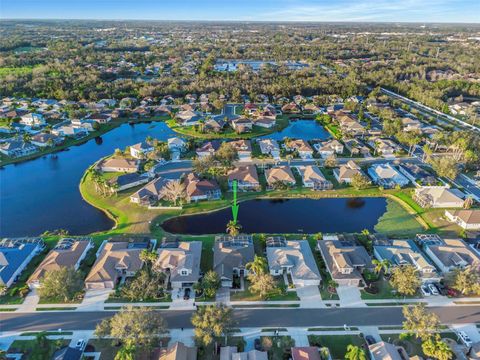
{"x":453,"y":252}
{"x":66,"y":253}
{"x":311,"y":173}
{"x":470,"y":216}
{"x":344,"y":258}
{"x":299,"y":145}
{"x":13,"y":253}
{"x":244,"y":174}
{"x":296,"y":254}
{"x":279,"y":173}
{"x":384,"y":351}
{"x":114,"y":255}
{"x":230,"y":254}
{"x":241,"y":145}
{"x":186,"y":255}
{"x":178,"y":351}
{"x":231,"y":353}
{"x":142,"y":146}
{"x":151,"y":190}
{"x":438,"y":195}
{"x":119,"y":163}
{"x":305,"y":353}
{"x":209,"y":146}
{"x":194,"y":186}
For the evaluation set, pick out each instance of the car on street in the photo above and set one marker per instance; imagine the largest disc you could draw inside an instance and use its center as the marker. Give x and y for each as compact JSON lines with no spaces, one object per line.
{"x":433,"y":289}
{"x":80,"y":344}
{"x":186,"y":294}
{"x":370,"y":340}
{"x":465,"y":338}
{"x":424,"y":290}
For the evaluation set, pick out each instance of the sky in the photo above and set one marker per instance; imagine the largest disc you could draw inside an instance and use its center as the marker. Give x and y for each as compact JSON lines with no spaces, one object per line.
{"x":463,"y":11}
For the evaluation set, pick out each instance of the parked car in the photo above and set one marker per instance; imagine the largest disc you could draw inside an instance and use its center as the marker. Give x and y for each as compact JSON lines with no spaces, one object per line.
{"x":465,"y":338}
{"x":257,"y":344}
{"x":186,"y":294}
{"x":424,"y":290}
{"x":80,"y":344}
{"x":433,"y":289}
{"x":370,"y":340}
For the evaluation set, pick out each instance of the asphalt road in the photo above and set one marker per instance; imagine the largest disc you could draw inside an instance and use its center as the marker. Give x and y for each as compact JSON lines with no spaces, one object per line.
{"x":375,"y":316}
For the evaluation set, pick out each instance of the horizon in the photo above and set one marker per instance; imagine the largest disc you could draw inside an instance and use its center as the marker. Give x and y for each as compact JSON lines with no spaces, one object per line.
{"x":308,"y":11}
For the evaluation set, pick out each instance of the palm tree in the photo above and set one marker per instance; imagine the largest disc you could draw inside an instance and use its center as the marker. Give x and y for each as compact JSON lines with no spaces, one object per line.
{"x":381,"y":265}
{"x":355,"y":353}
{"x":233,"y":228}
{"x":258,"y":265}
{"x":126,"y":352}
{"x":148,"y":257}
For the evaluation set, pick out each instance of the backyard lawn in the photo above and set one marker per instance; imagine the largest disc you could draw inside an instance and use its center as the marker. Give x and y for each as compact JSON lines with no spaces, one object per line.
{"x":337,"y":344}
{"x":397,"y":221}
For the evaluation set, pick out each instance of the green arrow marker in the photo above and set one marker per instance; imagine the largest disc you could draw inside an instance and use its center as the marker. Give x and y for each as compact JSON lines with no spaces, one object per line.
{"x":235,"y":205}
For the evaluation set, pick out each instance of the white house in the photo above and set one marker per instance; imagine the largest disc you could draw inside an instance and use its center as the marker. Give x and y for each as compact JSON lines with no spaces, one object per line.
{"x":138,"y":151}
{"x":466,"y":219}
{"x":32,"y":119}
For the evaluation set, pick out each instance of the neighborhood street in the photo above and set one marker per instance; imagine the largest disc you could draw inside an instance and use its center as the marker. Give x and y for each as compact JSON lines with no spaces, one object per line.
{"x":373,"y":316}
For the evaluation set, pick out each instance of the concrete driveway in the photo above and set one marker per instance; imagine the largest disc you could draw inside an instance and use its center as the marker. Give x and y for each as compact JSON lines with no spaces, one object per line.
{"x":310,"y":297}
{"x":350,"y":296}
{"x":95,"y":299}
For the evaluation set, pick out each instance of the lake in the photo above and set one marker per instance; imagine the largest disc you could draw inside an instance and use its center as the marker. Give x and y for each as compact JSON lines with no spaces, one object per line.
{"x":301,"y":129}
{"x":287,"y":216}
{"x":42,"y":194}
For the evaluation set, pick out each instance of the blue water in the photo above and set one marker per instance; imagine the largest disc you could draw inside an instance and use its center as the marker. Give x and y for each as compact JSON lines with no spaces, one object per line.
{"x":301,"y":129}
{"x":42,"y":194}
{"x":287,"y":216}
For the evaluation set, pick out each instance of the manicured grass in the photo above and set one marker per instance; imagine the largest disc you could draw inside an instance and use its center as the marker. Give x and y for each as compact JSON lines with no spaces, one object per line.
{"x":352,"y":328}
{"x":385,"y":292}
{"x":117,"y":298}
{"x":105,"y":347}
{"x":396,"y":220}
{"x":27,"y":347}
{"x":56,"y":308}
{"x":337,"y":344}
{"x":7,"y":309}
{"x":246,"y":295}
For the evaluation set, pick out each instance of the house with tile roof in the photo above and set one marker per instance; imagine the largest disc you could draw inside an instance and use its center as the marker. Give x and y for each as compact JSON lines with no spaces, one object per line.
{"x":438,"y":197}
{"x":201,"y":189}
{"x":466,"y":219}
{"x":279,"y":174}
{"x":246,"y":177}
{"x":313,"y":178}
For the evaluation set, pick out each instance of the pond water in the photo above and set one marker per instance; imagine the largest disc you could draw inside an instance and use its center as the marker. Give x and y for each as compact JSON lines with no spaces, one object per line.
{"x":301,"y":129}
{"x":42,"y":194}
{"x":287,"y":216}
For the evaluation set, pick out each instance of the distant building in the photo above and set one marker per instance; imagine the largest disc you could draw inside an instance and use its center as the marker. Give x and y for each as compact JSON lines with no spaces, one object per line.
{"x":246,"y":177}
{"x":437,"y":197}
{"x":466,"y":219}
{"x":118,"y":165}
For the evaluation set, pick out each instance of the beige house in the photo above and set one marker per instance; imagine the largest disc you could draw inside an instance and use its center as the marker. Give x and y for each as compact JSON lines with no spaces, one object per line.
{"x":345,"y":261}
{"x":243,"y":148}
{"x":181,"y":263}
{"x":177,"y":351}
{"x":466,"y":219}
{"x":345,"y":173}
{"x":119,"y":165}
{"x":67,"y":253}
{"x":280,"y":174}
{"x":231,"y":353}
{"x":116,"y":260}
{"x":437,"y":197}
{"x":313,"y":178}
{"x":302,"y":147}
{"x":386,"y":351}
{"x":246,"y":177}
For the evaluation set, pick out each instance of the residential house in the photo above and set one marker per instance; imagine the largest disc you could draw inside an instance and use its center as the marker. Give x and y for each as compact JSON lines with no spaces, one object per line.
{"x":118,"y":165}
{"x":208,"y":149}
{"x":67,"y":253}
{"x":410,"y":124}
{"x":70,"y":130}
{"x":345,"y":261}
{"x":349,"y":124}
{"x":417,"y":175}
{"x":386,"y":351}
{"x":231,"y":254}
{"x":294,"y":258}
{"x":181,"y":263}
{"x":264,"y":122}
{"x":17,"y":148}
{"x":127,"y":181}
{"x":140,"y":150}
{"x":384,"y":147}
{"x":291,"y":108}
{"x":150,"y":193}
{"x":201,"y":189}
{"x":311,"y":108}
{"x":269,"y":147}
{"x":177,"y":351}
{"x":246,"y":178}
{"x":32,"y":119}
{"x":466,"y":219}
{"x":243,"y":148}
{"x":313,"y":178}
{"x":356,"y":147}
{"x":188,"y":118}
{"x":438,"y":197}
{"x":231,"y":353}
{"x":302,"y":147}
{"x":242,"y":125}
{"x":329,"y":148}
{"x":386,"y":176}
{"x":345,"y":173}
{"x":101,"y":118}
{"x":404,"y":252}
{"x":279,"y":174}
{"x":176,"y":144}
{"x":115,"y":261}
{"x":46,"y":139}
{"x":306,"y":353}
{"x":15,"y":255}
{"x":140,"y":111}
{"x":448,"y":254}
{"x":215,"y":124}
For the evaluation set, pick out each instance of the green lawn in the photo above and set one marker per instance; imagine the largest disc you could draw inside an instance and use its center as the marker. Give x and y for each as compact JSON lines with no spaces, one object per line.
{"x":412,"y":345}
{"x":397,"y":221}
{"x":337,"y":344}
{"x":385,"y":292}
{"x":27,"y":347}
{"x":246,"y":295}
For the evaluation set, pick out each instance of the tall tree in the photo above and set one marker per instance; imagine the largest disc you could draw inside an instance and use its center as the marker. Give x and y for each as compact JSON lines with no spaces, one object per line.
{"x":420,"y":322}
{"x":212,"y":321}
{"x":64,"y":283}
{"x":355,"y":353}
{"x":262,"y":284}
{"x":173,"y":191}
{"x":437,"y":349}
{"x":405,"y":279}
{"x":258,"y":265}
{"x":210,"y":283}
{"x":233,"y":228}
{"x":466,"y":281}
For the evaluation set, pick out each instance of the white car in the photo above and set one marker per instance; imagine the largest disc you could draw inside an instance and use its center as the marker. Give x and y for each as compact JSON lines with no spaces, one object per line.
{"x":433,"y":289}
{"x":80,"y":344}
{"x":425,"y":291}
{"x":465,"y":338}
